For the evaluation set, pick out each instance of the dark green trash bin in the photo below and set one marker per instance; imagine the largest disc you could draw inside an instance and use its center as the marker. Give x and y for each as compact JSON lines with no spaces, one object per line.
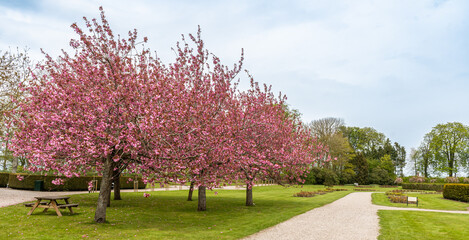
{"x":38,"y":185}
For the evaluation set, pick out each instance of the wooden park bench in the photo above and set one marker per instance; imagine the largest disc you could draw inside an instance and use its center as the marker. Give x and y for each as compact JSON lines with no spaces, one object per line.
{"x":413,"y":200}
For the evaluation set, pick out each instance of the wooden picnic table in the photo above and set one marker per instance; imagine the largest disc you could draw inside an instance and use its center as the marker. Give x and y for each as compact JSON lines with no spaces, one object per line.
{"x":51,"y":204}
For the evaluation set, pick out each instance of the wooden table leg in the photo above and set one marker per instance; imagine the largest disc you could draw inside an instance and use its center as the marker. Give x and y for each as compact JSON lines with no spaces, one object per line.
{"x":34,"y":207}
{"x":54,"y":205}
{"x":69,"y":208}
{"x":46,"y":207}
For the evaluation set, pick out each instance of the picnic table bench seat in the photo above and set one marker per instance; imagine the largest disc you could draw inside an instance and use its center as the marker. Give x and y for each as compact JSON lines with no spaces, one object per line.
{"x":67,"y":205}
{"x":32,"y":204}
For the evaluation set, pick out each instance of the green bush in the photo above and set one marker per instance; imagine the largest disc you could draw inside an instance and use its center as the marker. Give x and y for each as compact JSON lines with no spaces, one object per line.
{"x":380,"y":176}
{"x":455,"y":191}
{"x":347,"y":175}
{"x":322,"y":176}
{"x":330,"y":178}
{"x":423,"y":186}
{"x":70,"y":184}
{"x":4,"y":179}
{"x":310,"y":178}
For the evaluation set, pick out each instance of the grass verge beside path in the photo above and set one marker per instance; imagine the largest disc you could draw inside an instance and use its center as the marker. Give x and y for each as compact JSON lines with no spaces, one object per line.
{"x":422,"y":225}
{"x":165,"y":215}
{"x":426,"y":201}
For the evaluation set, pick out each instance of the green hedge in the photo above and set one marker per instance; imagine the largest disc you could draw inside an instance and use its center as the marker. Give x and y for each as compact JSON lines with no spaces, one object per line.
{"x":456,"y":191}
{"x":423,"y":186}
{"x":4,"y":179}
{"x":70,"y":184}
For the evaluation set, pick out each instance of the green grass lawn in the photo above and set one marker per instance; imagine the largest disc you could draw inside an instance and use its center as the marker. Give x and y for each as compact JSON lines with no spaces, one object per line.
{"x":422,"y":225}
{"x":426,"y":201}
{"x":165,"y":215}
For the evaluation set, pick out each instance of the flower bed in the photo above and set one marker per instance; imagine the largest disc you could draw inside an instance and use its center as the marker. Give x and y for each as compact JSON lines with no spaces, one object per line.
{"x":318,"y":192}
{"x":305,"y":194}
{"x":397,"y":198}
{"x":364,"y":189}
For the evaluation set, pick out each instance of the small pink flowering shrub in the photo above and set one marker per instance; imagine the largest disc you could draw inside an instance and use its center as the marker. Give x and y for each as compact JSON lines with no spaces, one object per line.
{"x":451,"y":180}
{"x":58,"y":181}
{"x":417,"y":179}
{"x":90,"y":185}
{"x":398,"y":180}
{"x":20,"y":178}
{"x":145,"y":195}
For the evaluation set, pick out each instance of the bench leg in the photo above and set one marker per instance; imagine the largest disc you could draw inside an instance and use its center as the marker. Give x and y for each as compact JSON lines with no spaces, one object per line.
{"x":34,"y":207}
{"x":54,"y":205}
{"x":69,"y":208}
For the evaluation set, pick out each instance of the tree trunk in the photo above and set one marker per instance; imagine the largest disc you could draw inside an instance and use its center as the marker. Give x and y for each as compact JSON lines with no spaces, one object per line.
{"x":191,"y":190}
{"x":249,"y":201}
{"x":108,"y":204}
{"x":14,"y":165}
{"x":451,"y":164}
{"x":202,"y":200}
{"x":117,"y":185}
{"x":425,"y":171}
{"x":450,"y":170}
{"x":104,"y":192}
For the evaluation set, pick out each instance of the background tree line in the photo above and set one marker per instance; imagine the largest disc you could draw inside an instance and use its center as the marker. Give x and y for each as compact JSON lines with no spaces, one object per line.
{"x":359,"y":155}
{"x":15,"y":70}
{"x":444,"y":151}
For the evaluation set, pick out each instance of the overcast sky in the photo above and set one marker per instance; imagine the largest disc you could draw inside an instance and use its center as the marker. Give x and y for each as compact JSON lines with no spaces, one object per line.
{"x":400,"y":67}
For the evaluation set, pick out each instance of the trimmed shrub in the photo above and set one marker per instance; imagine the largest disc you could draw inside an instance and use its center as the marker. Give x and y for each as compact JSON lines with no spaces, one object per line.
{"x":4,"y":179}
{"x":423,"y":186}
{"x":70,"y":184}
{"x":454,"y":191}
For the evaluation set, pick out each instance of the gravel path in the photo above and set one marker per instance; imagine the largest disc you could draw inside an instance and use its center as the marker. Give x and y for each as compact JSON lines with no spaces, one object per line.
{"x":351,"y":217}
